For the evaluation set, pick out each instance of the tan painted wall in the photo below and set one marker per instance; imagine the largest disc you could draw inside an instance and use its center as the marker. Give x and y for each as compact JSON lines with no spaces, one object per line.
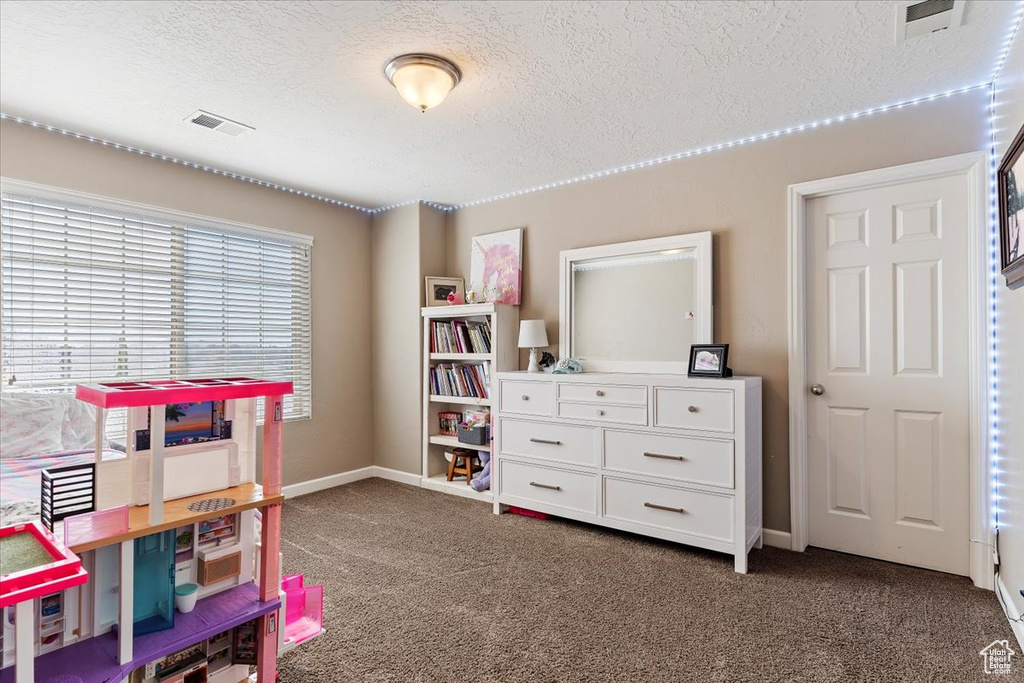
{"x":339,"y":436}
{"x":408,"y":244}
{"x":1010,"y":113}
{"x":396,"y":333}
{"x":740,"y":195}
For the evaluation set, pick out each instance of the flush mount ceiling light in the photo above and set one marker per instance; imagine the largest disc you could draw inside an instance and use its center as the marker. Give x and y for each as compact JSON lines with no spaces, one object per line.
{"x":422,"y":80}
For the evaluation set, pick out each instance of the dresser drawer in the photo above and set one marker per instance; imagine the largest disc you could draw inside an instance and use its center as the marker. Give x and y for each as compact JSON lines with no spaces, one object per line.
{"x":601,"y":393}
{"x":527,"y":398}
{"x":704,"y":461}
{"x":688,"y":512}
{"x":571,"y":490}
{"x":636,"y":415}
{"x":550,"y":441}
{"x":707,"y":409}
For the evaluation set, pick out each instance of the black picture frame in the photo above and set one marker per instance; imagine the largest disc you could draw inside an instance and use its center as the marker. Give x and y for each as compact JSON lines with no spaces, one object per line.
{"x":720,"y":351}
{"x":1010,"y":180}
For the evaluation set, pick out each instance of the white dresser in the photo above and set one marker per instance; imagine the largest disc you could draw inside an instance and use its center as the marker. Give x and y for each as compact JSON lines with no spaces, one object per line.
{"x":659,"y":455}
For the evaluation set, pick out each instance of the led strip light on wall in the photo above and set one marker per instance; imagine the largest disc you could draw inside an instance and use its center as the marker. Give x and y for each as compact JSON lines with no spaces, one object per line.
{"x":732,"y":143}
{"x":538,"y":188}
{"x":995,"y":262}
{"x":185,"y":162}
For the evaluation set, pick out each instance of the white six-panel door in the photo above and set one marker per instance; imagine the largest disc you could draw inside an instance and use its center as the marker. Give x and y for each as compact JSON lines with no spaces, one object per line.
{"x":887,"y":343}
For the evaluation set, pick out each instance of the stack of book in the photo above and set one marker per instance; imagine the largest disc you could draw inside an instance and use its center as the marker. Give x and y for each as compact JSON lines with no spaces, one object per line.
{"x":470,"y":381}
{"x":460,"y":336}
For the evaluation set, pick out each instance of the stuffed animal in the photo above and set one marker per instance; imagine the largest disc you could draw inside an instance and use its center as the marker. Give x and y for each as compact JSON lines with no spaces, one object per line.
{"x":482,"y":481}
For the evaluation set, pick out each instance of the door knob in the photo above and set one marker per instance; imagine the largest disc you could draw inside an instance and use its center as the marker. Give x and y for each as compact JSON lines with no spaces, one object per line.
{"x":817,"y":389}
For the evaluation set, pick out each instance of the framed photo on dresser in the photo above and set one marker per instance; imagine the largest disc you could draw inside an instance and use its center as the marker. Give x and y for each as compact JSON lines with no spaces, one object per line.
{"x":709,"y":360}
{"x":1010,"y":178}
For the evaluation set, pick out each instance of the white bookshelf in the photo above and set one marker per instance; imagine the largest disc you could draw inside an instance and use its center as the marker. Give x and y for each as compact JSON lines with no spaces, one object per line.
{"x":504,"y":356}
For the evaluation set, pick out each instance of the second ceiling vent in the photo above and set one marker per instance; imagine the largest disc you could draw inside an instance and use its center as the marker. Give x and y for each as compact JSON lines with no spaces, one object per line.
{"x":218,"y":123}
{"x":918,"y":18}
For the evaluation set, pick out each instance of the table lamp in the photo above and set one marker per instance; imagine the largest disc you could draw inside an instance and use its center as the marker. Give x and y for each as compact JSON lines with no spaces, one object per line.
{"x":532,"y":335}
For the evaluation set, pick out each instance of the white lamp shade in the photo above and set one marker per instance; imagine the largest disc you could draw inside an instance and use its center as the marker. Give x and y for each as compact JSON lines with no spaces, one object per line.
{"x":423,"y":85}
{"x":532,"y":334}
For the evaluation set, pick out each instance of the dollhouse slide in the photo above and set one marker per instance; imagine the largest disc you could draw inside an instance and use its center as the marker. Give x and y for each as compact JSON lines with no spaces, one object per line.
{"x":163,"y":576}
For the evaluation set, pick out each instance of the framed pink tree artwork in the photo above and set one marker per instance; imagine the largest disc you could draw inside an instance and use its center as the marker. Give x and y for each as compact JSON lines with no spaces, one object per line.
{"x":496,"y":266}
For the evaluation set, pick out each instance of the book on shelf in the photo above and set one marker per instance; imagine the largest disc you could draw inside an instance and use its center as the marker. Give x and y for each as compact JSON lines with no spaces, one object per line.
{"x":460,"y":336}
{"x":468,"y":381}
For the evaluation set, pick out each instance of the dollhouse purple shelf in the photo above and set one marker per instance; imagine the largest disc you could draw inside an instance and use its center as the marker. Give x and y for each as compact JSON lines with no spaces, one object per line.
{"x":95,"y":660}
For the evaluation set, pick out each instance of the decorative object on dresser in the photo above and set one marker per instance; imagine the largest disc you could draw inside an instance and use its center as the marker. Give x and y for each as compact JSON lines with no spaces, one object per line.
{"x":462,"y":347}
{"x":495,"y":270}
{"x":709,"y":360}
{"x":667,"y":456}
{"x":1011,"y":212}
{"x":636,"y":306}
{"x":439,"y":288}
{"x":532,"y":335}
{"x":567,"y":366}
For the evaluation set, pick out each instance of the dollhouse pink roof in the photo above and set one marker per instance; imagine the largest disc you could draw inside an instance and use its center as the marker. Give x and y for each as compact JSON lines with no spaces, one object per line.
{"x":163,"y":392}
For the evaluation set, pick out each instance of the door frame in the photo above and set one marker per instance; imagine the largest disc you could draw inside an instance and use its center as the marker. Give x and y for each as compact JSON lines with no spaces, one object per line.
{"x":971,"y":165}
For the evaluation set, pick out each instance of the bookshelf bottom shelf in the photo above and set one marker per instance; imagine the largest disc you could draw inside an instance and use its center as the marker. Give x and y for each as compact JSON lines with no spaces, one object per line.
{"x":458,"y":487}
{"x":453,"y":442}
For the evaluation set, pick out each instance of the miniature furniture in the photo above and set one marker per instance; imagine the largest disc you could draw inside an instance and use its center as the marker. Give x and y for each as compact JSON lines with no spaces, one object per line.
{"x":66,"y":491}
{"x":462,"y":347}
{"x":660,"y":455}
{"x":467,"y":466}
{"x":304,"y":612}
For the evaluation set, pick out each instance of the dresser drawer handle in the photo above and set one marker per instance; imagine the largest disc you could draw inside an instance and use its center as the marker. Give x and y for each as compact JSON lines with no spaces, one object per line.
{"x":600,"y":412}
{"x":546,"y":486}
{"x":693,"y":409}
{"x":527,"y":398}
{"x":600,"y":393}
{"x":547,"y":441}
{"x":664,"y":507}
{"x":664,"y":457}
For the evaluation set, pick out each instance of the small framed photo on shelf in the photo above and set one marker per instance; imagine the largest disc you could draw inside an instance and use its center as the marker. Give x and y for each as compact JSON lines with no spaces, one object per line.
{"x":438,"y":289}
{"x":1010,"y":178}
{"x":709,"y":360}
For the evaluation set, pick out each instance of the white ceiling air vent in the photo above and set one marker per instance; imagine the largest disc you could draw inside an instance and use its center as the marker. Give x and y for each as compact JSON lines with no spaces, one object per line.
{"x":920,"y":17}
{"x":218,"y":123}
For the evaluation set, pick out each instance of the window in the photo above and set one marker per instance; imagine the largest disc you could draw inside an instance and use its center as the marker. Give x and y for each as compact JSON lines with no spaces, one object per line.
{"x":98,"y":290}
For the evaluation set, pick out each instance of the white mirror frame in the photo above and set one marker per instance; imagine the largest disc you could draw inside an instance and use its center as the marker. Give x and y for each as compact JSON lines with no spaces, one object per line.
{"x":703,"y":328}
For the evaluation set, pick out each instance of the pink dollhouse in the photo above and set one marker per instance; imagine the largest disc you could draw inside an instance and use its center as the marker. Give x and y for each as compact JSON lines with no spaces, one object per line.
{"x":175,"y":576}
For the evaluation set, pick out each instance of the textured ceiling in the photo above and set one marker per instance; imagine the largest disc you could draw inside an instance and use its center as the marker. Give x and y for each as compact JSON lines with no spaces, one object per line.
{"x":550,"y":90}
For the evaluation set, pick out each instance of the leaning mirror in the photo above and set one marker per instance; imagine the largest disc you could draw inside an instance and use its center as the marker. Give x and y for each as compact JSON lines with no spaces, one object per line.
{"x":637,"y":306}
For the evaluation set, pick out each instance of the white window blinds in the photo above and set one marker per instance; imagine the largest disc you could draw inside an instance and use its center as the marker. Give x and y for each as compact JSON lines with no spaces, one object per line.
{"x":92,"y":292}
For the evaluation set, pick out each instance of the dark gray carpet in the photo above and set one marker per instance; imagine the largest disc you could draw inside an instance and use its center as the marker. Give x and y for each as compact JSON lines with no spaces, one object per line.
{"x":423,"y":586}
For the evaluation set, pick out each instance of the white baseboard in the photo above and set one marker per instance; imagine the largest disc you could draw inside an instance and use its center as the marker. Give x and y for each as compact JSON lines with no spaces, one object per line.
{"x":328,"y":482}
{"x":396,"y":475}
{"x":1011,"y":611}
{"x":777,"y":539}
